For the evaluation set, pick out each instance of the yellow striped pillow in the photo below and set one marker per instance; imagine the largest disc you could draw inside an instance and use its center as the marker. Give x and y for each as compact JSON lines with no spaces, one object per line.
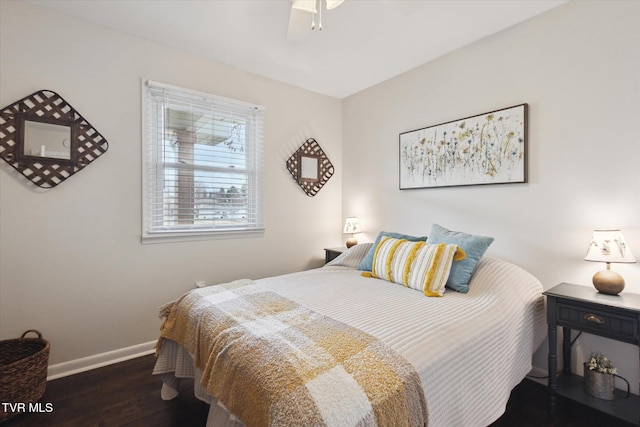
{"x":417,"y":265}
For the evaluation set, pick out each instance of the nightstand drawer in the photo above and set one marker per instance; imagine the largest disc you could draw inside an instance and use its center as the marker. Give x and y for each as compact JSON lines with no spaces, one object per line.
{"x":611,"y":323}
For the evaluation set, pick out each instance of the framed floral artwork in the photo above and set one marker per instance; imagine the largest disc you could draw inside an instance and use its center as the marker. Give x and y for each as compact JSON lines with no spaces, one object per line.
{"x":489,"y":148}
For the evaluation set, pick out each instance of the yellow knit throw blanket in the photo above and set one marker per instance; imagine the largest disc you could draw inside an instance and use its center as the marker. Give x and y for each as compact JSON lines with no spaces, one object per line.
{"x":273,"y":362}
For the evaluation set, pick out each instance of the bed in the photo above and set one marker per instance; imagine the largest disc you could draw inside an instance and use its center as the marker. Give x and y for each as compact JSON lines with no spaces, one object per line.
{"x":468,"y":349}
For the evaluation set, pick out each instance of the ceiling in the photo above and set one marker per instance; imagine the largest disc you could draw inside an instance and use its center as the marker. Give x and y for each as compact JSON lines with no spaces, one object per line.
{"x":363,"y":42}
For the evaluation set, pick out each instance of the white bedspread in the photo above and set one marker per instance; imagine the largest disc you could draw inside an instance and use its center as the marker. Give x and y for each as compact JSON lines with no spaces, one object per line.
{"x":470,"y":349}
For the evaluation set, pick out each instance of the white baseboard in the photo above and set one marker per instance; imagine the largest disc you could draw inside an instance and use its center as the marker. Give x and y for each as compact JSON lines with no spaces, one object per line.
{"x":76,"y":366}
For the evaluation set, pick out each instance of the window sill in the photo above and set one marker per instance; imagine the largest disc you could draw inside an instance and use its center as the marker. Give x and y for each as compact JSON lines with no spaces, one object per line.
{"x":175,"y":237}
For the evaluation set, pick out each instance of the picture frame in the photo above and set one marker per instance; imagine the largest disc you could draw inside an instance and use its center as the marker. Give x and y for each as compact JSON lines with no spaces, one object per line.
{"x":488,"y":148}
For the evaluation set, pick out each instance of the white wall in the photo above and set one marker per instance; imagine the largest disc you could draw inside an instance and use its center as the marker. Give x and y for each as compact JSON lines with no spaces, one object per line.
{"x":578,"y":68}
{"x":71,"y":261}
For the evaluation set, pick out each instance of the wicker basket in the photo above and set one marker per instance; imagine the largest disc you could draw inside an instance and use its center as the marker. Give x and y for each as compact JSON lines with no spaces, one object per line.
{"x":23,"y":370}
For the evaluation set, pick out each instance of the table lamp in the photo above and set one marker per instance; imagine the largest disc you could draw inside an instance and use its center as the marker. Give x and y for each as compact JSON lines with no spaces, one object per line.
{"x":608,"y":246}
{"x":351,"y":225}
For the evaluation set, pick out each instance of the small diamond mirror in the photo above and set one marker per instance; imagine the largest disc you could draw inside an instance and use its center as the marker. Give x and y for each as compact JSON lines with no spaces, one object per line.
{"x":310,"y":167}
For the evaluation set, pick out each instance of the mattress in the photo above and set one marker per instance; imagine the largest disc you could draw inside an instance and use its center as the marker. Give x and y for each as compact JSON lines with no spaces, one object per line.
{"x":469,"y":350}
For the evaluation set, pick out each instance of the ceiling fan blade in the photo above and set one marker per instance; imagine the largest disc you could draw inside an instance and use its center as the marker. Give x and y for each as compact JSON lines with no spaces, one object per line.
{"x":306,"y":5}
{"x":299,"y":25}
{"x":332,"y":4}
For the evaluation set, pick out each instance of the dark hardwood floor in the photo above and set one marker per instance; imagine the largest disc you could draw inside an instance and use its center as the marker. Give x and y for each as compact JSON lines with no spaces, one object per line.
{"x":126,"y":394}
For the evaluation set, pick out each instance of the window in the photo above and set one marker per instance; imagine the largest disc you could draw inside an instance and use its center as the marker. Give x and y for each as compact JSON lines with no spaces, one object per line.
{"x":202,"y":172}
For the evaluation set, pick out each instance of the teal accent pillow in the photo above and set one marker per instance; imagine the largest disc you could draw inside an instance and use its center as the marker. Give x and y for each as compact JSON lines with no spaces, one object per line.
{"x":474,"y":247}
{"x":367,"y":262}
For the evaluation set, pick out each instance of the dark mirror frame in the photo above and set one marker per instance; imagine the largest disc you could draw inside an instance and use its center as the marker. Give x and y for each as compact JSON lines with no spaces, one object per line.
{"x":85,"y":146}
{"x":310,"y":149}
{"x":20,"y":149}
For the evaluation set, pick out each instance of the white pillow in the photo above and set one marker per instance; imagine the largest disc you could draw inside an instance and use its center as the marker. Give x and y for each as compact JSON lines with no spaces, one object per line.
{"x":352,"y":257}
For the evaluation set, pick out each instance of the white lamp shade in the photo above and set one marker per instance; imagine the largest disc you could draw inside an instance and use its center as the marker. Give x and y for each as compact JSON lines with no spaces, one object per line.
{"x":352,"y":225}
{"x":609,"y":246}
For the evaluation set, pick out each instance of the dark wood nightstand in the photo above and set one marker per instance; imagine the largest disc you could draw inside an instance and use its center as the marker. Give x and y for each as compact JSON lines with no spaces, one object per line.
{"x":331,"y":253}
{"x":585,"y":309}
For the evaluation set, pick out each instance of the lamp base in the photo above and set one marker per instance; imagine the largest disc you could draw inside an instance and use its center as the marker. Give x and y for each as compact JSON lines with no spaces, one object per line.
{"x":608,"y":282}
{"x":351,"y":242}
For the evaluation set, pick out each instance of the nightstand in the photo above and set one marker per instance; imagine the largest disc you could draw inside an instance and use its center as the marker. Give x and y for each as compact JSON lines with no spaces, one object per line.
{"x":331,"y":253}
{"x":585,"y":309}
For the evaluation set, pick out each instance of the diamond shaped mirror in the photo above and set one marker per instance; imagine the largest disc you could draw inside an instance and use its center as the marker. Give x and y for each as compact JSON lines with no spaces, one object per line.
{"x":310,"y":167}
{"x":46,"y":140}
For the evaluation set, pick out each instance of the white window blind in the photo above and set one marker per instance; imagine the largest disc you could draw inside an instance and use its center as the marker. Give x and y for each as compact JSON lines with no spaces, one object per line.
{"x":203,"y":163}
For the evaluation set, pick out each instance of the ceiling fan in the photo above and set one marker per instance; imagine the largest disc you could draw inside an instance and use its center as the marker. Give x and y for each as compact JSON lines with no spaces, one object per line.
{"x":305,"y":12}
{"x":301,"y":11}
